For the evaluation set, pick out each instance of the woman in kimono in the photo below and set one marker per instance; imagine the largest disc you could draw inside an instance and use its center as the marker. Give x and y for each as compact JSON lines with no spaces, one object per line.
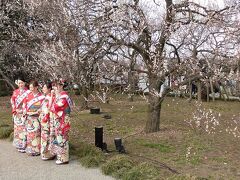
{"x":61,"y":122}
{"x":32,"y":105}
{"x":46,"y":124}
{"x":20,"y":138}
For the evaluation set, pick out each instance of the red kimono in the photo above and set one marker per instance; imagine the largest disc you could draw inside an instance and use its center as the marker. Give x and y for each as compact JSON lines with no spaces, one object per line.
{"x":46,"y":127}
{"x":17,"y":100}
{"x":32,"y":105}
{"x":61,"y":122}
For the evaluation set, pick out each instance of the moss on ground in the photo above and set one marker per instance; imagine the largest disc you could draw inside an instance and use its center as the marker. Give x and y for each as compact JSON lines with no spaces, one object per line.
{"x":117,"y":166}
{"x":5,"y":131}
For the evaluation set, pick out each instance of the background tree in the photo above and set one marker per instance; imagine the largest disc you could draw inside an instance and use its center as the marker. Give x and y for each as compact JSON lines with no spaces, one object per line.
{"x":153,"y":41}
{"x":17,"y":42}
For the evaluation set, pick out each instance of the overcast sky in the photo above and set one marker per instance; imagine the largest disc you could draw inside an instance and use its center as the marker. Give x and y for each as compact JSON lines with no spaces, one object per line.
{"x":154,"y":12}
{"x":220,"y":3}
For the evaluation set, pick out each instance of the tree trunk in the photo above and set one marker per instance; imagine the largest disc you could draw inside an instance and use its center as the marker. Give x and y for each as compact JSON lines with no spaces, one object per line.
{"x":212,"y":90}
{"x":226,"y":96}
{"x":131,"y":85}
{"x":190,"y":91}
{"x":238,"y":88}
{"x":86,"y":97}
{"x":154,"y":109}
{"x":207,"y":86}
{"x":131,"y":76}
{"x":154,"y":106}
{"x":199,"y":93}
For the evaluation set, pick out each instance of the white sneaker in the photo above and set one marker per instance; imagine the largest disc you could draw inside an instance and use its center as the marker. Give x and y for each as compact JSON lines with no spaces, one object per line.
{"x":58,"y":162}
{"x":21,"y":150}
{"x":44,"y":158}
{"x":50,"y":158}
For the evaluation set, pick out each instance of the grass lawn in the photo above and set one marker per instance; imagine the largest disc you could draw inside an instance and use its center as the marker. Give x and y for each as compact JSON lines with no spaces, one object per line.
{"x":176,"y":146}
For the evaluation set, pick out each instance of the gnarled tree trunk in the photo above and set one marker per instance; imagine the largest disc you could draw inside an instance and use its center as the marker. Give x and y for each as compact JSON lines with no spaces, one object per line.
{"x":154,"y":108}
{"x":154,"y":105}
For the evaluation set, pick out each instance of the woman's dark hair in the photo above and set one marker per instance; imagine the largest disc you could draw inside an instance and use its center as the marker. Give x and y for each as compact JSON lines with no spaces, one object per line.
{"x":48,"y":85}
{"x":21,"y":78}
{"x":34,"y":83}
{"x":62,"y":82}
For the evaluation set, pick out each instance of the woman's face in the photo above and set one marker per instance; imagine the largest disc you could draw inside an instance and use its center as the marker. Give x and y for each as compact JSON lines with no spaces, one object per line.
{"x":45,"y":89}
{"x":32,"y":88}
{"x":54,"y":88}
{"x":59,"y":88}
{"x":21,"y":84}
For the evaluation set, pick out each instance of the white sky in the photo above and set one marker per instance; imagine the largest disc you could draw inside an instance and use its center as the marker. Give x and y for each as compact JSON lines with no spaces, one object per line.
{"x":154,"y":12}
{"x":220,"y":3}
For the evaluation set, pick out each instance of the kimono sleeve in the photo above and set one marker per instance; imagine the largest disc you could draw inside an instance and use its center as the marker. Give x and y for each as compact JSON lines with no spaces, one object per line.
{"x":24,"y":106}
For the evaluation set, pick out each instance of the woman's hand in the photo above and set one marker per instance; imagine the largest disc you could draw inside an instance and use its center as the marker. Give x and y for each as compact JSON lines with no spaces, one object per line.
{"x":52,"y":92}
{"x":39,"y":111}
{"x":18,"y":111}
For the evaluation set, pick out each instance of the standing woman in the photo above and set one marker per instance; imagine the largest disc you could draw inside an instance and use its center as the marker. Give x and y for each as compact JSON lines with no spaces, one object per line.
{"x":17,"y":99}
{"x":61,"y":111}
{"x":32,"y":105}
{"x":45,"y":122}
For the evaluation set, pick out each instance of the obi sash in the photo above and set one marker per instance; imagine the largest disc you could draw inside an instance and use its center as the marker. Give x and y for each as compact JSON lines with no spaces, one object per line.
{"x":20,"y":98}
{"x":34,"y":100}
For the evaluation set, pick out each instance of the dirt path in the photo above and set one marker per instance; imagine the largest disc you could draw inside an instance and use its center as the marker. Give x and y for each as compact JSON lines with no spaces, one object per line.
{"x":17,"y":166}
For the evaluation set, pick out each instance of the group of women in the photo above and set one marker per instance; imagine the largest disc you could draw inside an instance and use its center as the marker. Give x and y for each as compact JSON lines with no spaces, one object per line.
{"x":41,"y":120}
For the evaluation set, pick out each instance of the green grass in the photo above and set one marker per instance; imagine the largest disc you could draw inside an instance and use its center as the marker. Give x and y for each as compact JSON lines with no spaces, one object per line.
{"x":187,"y":177}
{"x":196,"y":147}
{"x":142,"y":171}
{"x":5,"y":131}
{"x":163,"y":147}
{"x":92,"y":161}
{"x":5,"y":118}
{"x":117,"y":166}
{"x":88,"y":155}
{"x":6,"y":124}
{"x":220,"y":159}
{"x":160,"y":147}
{"x":11,"y":137}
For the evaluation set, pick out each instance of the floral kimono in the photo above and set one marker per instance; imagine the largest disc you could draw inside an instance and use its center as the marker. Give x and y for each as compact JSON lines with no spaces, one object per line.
{"x":61,"y":123}
{"x":46,"y":137}
{"x":20,"y":138}
{"x":32,"y":104}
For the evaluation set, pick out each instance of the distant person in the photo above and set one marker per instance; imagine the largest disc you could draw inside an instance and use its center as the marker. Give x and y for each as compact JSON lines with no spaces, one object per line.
{"x":32,"y":105}
{"x":46,"y":124}
{"x":61,"y":121}
{"x":17,"y":99}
